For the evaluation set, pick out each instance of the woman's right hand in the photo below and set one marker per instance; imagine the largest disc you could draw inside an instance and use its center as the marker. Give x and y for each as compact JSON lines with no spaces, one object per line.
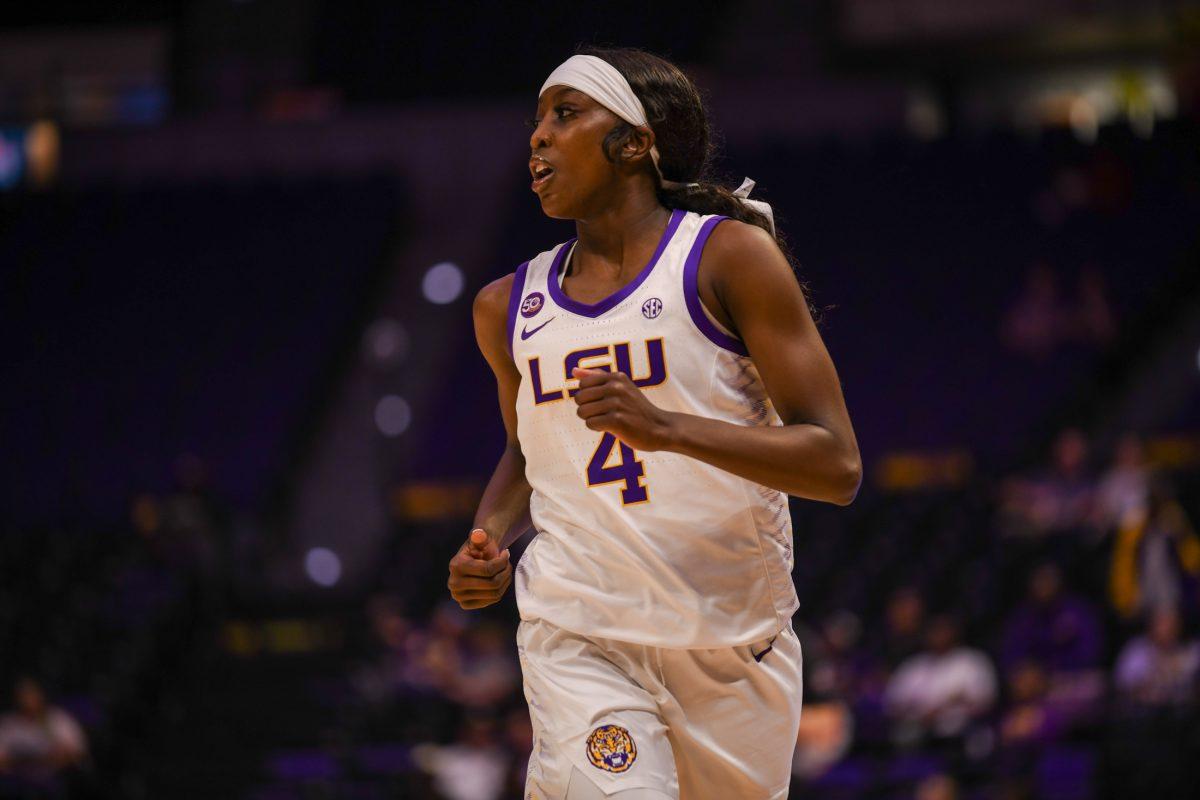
{"x":479,"y":572}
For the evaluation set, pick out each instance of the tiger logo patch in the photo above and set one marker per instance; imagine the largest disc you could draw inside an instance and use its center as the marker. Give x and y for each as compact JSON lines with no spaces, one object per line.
{"x":611,"y":748}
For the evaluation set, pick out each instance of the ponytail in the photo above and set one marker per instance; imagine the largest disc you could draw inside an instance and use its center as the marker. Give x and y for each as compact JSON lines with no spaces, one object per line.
{"x":709,"y":198}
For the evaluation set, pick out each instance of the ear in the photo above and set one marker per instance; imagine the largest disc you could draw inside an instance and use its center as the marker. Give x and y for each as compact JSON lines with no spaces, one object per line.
{"x":637,"y":145}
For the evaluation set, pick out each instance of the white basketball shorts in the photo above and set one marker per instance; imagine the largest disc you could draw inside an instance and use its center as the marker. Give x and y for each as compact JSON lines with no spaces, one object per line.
{"x":694,"y":724}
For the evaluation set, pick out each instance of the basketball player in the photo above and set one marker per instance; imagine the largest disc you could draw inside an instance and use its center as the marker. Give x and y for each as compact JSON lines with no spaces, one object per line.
{"x":664,"y":389}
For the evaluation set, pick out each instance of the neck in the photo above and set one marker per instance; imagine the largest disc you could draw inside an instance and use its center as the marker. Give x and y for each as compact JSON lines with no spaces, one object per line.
{"x":625,"y":225}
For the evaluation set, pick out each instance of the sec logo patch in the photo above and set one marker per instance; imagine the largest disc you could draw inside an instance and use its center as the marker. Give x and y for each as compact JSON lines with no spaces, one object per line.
{"x":611,"y":748}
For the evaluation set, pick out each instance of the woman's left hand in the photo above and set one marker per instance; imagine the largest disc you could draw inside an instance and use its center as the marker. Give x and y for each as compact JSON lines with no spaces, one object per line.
{"x":609,"y":401}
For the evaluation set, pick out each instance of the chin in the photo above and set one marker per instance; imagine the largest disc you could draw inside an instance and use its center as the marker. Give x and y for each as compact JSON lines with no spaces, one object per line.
{"x":554,"y":209}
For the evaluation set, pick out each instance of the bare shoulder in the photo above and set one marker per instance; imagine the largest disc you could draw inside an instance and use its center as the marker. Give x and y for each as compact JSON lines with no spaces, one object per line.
{"x":490,"y":311}
{"x":491,"y":302}
{"x":739,"y":247}
{"x":744,"y":271}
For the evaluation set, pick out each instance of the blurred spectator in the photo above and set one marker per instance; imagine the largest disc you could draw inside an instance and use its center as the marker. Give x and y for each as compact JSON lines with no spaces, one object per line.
{"x":1153,"y":746}
{"x":1057,"y":500}
{"x":937,"y":787}
{"x":820,"y":671}
{"x":1038,"y":715}
{"x":193,"y":520}
{"x":388,"y":623}
{"x":1156,"y":557}
{"x":1090,"y":320}
{"x":1032,"y":718}
{"x":518,"y":735}
{"x":940,"y":691}
{"x":381,"y":680}
{"x":1039,"y":321}
{"x":904,"y":620}
{"x":434,"y":656}
{"x":1158,"y":669}
{"x":427,"y":677}
{"x":488,"y":672}
{"x":825,"y":736}
{"x":38,"y":743}
{"x":836,"y":666}
{"x":1059,"y":630}
{"x":1032,"y":324}
{"x":901,"y":637}
{"x":474,"y":768}
{"x":1125,"y":487}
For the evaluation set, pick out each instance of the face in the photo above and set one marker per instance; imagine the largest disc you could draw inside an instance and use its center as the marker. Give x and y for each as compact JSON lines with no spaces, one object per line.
{"x":1070,"y":450}
{"x":1027,"y":682}
{"x":905,"y":612}
{"x":842,"y":631}
{"x":1164,"y":627}
{"x":29,"y":698}
{"x":1045,"y":584}
{"x":937,"y":787}
{"x":942,"y":635}
{"x":571,"y":176}
{"x":1129,"y":452}
{"x":478,"y":732}
{"x":518,"y":729}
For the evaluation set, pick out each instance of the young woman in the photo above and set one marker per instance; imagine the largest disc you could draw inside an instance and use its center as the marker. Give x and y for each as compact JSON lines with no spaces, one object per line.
{"x":664,"y":389}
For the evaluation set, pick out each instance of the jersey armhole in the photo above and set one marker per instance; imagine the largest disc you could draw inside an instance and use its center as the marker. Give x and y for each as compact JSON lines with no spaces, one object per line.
{"x":514,"y":303}
{"x":691,"y":293}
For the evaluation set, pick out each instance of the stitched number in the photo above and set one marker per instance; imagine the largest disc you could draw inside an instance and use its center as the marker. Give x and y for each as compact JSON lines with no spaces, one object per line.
{"x":629,"y":470}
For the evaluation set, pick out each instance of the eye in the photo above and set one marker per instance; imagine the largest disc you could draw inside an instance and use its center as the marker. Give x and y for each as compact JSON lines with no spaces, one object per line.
{"x":563,"y":111}
{"x":532,"y":123}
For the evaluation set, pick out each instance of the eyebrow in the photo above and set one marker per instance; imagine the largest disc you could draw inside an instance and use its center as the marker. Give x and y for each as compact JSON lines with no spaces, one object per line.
{"x":571,"y":90}
{"x":562,"y":95}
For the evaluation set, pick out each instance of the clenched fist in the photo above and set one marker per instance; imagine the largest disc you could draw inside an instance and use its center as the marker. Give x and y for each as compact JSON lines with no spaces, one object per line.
{"x":611,"y":402}
{"x":479,"y":572}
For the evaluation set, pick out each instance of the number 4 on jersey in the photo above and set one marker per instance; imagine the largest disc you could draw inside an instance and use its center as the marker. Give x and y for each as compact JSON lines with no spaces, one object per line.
{"x":629,"y":470}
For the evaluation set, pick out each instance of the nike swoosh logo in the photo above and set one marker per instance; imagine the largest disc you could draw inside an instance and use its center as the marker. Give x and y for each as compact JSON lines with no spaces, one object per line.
{"x":526,"y":333}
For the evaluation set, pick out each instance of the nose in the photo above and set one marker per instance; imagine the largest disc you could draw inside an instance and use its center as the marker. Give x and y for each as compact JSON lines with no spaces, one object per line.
{"x":541,"y":135}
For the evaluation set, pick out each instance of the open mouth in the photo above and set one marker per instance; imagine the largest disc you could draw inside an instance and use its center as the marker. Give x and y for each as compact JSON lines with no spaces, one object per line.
{"x":542,"y":173}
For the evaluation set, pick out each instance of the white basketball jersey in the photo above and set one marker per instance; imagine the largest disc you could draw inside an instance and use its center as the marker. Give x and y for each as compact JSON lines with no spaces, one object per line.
{"x":650,"y":548}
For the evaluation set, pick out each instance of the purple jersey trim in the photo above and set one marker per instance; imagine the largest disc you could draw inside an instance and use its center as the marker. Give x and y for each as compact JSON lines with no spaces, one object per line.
{"x":691,"y":293}
{"x":596,"y":309}
{"x":514,"y":303}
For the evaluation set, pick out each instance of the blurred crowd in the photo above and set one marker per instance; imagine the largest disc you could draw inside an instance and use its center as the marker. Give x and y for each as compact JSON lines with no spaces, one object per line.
{"x":1075,"y":676}
{"x":98,"y":626}
{"x":1084,"y":684}
{"x":1042,"y":319}
{"x":452,"y":688}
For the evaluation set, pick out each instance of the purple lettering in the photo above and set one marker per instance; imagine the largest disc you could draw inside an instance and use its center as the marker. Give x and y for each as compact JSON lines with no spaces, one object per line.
{"x":573,"y":359}
{"x":535,"y":375}
{"x":654,"y":355}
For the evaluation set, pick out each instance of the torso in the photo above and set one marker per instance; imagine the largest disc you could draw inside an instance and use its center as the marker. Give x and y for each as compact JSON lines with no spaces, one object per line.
{"x":647,"y":547}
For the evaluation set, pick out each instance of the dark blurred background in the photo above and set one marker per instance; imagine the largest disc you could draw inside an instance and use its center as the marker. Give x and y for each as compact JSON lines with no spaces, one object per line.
{"x":245,"y":425}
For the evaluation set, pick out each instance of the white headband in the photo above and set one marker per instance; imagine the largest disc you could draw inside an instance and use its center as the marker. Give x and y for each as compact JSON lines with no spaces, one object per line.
{"x":605,"y":84}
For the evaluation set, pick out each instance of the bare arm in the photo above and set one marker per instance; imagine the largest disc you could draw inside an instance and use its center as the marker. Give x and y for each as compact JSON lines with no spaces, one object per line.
{"x":814,"y":454}
{"x":480,"y":572}
{"x":504,"y":508}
